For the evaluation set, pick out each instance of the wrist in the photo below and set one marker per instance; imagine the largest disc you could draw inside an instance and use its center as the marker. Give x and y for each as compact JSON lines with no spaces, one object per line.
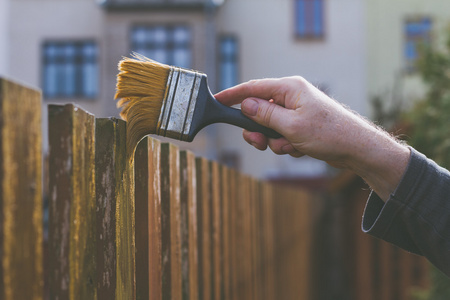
{"x":381,"y":161}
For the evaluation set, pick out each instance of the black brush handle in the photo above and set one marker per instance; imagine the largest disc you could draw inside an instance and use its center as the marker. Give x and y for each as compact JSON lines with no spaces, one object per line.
{"x":208,"y":111}
{"x":216,"y":112}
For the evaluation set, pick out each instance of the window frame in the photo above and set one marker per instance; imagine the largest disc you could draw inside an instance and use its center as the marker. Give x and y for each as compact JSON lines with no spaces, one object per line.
{"x":310,"y":35}
{"x":410,"y":64}
{"x":79,"y":61}
{"x":235,"y":59}
{"x":168,"y":27}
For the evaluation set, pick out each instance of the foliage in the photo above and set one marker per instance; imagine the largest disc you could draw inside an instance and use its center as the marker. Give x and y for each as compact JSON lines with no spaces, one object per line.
{"x":430,"y":121}
{"x":430,"y":118}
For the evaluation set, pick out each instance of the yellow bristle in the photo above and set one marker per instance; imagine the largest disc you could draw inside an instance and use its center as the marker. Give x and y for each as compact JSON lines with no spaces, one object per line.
{"x":141,"y":85}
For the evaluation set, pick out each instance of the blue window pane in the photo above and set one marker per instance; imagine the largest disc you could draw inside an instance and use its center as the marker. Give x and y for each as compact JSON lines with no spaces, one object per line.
{"x":70,"y":69}
{"x":309,"y":18}
{"x":228,"y":62}
{"x":165,"y":44}
{"x":418,"y":32}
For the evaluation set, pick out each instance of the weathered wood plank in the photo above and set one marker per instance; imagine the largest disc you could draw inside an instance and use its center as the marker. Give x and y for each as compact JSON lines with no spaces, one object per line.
{"x":189,"y":241}
{"x":115,"y":214}
{"x":204,"y":229}
{"x":144,"y":177}
{"x":21,"y":225}
{"x":216,"y":227}
{"x":72,"y":219}
{"x":234,"y":241}
{"x":226,"y":229}
{"x":170,"y":222}
{"x":148,"y":219}
{"x":268,"y":240}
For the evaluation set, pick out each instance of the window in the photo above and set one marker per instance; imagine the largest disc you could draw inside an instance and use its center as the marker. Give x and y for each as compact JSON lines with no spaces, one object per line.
{"x":309,"y":18}
{"x":418,"y":33}
{"x":228,"y":62}
{"x":70,"y":69}
{"x":165,"y":44}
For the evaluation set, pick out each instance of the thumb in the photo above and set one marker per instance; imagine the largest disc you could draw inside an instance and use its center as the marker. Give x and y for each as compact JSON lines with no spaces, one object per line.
{"x":266,"y":113}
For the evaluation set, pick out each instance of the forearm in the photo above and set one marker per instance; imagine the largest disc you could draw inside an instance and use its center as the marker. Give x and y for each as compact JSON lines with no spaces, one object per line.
{"x":380,"y":160}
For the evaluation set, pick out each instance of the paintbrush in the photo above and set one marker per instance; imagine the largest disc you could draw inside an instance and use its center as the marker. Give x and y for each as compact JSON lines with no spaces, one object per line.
{"x":173,"y":102}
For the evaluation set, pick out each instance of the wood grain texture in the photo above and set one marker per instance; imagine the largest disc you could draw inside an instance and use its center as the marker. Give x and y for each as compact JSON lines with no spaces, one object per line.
{"x":21,"y":225}
{"x":204,"y":229}
{"x":170,"y":222}
{"x":216,"y":227}
{"x":189,"y":242}
{"x":115,"y":213}
{"x":226,"y":231}
{"x":148,"y":219}
{"x":72,"y":219}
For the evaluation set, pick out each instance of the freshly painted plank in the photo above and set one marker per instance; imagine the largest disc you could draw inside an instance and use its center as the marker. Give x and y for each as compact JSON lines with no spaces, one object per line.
{"x":170,"y":222}
{"x":148,"y":219}
{"x":115,"y":213}
{"x":21,"y":225}
{"x":204,"y":229}
{"x":72,"y":218}
{"x":189,"y":241}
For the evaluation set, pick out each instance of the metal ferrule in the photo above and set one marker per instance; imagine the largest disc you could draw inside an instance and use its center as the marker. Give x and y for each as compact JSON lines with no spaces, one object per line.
{"x":178,"y":105}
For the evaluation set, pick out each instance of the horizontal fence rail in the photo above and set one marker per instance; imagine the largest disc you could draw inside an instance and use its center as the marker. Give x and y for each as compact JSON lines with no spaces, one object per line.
{"x":162,"y":225}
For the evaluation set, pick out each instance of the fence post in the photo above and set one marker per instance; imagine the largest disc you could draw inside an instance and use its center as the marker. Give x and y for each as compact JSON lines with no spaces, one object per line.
{"x":21,"y":226}
{"x":72,"y":219}
{"x":115,"y":213}
{"x":188,"y":194}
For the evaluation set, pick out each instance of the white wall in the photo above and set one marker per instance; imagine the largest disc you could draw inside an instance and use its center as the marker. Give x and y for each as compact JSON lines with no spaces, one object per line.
{"x":386,"y":40}
{"x":269,"y":48}
{"x":4,"y":37}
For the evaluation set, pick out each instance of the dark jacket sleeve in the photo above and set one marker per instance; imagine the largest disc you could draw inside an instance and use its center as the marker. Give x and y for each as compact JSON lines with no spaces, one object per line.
{"x":417,"y":215}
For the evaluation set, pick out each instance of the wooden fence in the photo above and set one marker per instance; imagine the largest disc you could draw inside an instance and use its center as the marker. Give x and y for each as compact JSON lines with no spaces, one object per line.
{"x":167,"y":225}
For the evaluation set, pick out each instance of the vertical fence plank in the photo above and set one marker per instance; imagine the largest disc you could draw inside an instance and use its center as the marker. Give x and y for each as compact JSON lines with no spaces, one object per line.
{"x":268,"y":241}
{"x":148,"y":219}
{"x":216,"y":227}
{"x":21,"y":247}
{"x":188,"y":191}
{"x":115,"y":214}
{"x":142,"y":220}
{"x":148,"y":197}
{"x":170,"y":222}
{"x":72,"y":220}
{"x":204,"y":229}
{"x":233,"y":246}
{"x":226,"y":235}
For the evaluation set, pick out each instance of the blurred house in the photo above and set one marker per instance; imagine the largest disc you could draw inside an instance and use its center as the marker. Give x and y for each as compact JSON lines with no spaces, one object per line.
{"x":71,"y":49}
{"x":396,"y":31}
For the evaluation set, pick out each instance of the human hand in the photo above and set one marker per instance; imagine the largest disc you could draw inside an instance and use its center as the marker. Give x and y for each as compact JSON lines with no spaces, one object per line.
{"x":313,"y":124}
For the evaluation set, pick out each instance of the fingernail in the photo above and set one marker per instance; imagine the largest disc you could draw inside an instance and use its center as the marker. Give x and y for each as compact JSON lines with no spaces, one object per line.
{"x":250,"y":107}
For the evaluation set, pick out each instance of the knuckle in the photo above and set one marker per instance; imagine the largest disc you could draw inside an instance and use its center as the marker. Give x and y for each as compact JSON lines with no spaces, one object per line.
{"x":266,"y":114}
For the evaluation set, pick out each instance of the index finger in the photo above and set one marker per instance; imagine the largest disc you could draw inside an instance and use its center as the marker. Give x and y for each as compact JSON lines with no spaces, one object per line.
{"x":270,"y":88}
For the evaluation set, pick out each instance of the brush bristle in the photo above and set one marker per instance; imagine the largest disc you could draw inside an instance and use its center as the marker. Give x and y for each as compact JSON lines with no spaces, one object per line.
{"x":141,"y":86}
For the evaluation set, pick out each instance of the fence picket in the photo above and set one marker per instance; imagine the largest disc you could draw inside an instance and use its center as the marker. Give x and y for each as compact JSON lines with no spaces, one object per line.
{"x":21,"y":225}
{"x":170,"y":222}
{"x":188,"y":192}
{"x":148,"y":198}
{"x":72,"y":218}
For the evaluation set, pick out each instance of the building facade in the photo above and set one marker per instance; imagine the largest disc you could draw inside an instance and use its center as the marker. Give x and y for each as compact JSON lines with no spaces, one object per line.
{"x":70,"y":49}
{"x":396,"y":31}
